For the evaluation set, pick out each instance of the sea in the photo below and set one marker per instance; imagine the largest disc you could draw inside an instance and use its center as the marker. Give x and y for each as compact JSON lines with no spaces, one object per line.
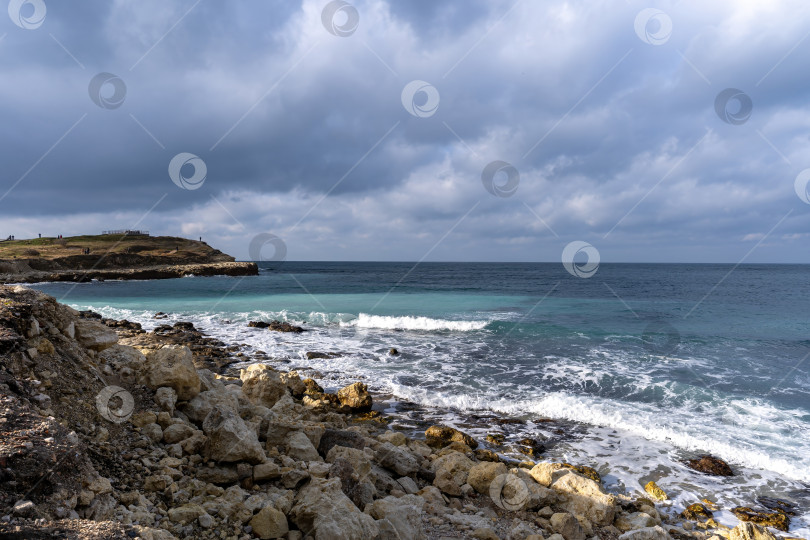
{"x":631,"y":371}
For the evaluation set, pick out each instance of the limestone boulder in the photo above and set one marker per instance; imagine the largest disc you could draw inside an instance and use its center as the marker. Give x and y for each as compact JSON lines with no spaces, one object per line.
{"x":230,"y":439}
{"x":399,"y":517}
{"x":300,"y":448}
{"x":269,"y":523}
{"x":198,"y":408}
{"x":355,"y":397}
{"x":262,"y":385}
{"x":94,"y":335}
{"x":451,"y":472}
{"x":323,"y":511}
{"x":397,"y":459}
{"x":171,"y":366}
{"x":750,"y":531}
{"x":585,"y":497}
{"x":481,"y":475}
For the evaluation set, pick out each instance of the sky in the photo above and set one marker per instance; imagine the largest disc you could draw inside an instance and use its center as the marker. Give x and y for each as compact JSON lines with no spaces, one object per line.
{"x":462,"y":130}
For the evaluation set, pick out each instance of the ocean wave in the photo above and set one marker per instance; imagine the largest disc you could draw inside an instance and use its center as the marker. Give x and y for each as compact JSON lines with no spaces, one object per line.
{"x":365,"y":320}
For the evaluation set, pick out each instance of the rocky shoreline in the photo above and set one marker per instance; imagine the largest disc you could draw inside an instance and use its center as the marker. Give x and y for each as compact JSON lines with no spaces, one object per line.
{"x":166,"y":271}
{"x":108,"y":431}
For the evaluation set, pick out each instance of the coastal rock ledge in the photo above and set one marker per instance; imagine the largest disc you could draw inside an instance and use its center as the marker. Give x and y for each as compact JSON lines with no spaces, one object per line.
{"x":108,"y":432}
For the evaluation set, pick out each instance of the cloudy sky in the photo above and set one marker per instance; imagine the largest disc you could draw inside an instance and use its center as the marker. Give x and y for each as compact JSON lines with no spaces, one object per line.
{"x":407,"y":130}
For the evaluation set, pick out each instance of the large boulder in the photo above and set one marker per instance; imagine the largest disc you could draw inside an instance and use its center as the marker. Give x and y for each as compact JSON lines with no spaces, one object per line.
{"x":262,"y":385}
{"x":230,"y":439}
{"x":583,"y":497}
{"x":171,"y":366}
{"x":94,"y":335}
{"x":711,"y":465}
{"x":399,"y":517}
{"x":269,"y":523}
{"x":441,"y":436}
{"x":199,"y":407}
{"x":451,"y":472}
{"x":481,"y":475}
{"x":749,"y":531}
{"x":322,"y":510}
{"x":396,"y":459}
{"x":300,"y":448}
{"x":546,"y":473}
{"x":355,"y":396}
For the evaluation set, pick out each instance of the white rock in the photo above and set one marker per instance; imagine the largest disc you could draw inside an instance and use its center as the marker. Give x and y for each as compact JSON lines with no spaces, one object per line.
{"x":647,"y":533}
{"x":262,"y":385}
{"x":400,"y":517}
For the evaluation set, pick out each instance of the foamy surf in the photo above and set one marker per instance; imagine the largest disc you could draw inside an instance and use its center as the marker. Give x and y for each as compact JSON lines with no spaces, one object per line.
{"x":427,"y":324}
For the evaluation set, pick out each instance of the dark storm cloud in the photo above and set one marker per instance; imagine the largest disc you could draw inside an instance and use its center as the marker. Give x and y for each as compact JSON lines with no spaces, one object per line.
{"x":616,"y":140}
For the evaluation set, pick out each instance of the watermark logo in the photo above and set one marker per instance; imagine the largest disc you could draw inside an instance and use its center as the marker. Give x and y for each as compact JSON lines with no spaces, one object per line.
{"x":581,"y":270}
{"x":108,"y":91}
{"x":179,"y":171}
{"x":653,"y":26}
{"x":257,"y":252}
{"x":660,"y":338}
{"x":115,"y":404}
{"x":802,"y":185}
{"x":420,"y":99}
{"x":509,"y":492}
{"x":28,"y":14}
{"x":503,"y":189}
{"x":730,"y":114}
{"x":340,"y":18}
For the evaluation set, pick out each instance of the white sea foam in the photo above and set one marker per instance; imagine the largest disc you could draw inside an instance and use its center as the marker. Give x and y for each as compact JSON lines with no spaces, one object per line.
{"x":365,"y":320}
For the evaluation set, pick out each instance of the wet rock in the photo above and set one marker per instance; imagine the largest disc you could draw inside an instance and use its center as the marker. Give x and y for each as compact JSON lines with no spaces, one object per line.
{"x":750,"y":531}
{"x":440,"y":436}
{"x":655,"y":492}
{"x":777,"y":520}
{"x":262,"y":385}
{"x":711,"y":465}
{"x":315,"y":355}
{"x":312,"y":387}
{"x":355,"y":396}
{"x":171,"y":366}
{"x":531,"y":447}
{"x":583,"y":470}
{"x":276,"y":326}
{"x":393,"y":351}
{"x":696,"y":512}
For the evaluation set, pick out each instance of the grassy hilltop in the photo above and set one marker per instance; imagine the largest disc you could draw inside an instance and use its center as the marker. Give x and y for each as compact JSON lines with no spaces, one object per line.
{"x":155,"y":249}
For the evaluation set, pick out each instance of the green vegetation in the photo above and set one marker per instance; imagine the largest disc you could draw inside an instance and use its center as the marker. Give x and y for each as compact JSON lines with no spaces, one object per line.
{"x":149,"y":246}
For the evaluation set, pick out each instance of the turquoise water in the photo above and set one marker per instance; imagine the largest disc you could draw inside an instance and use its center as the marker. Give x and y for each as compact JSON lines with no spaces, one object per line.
{"x":666,"y":360}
